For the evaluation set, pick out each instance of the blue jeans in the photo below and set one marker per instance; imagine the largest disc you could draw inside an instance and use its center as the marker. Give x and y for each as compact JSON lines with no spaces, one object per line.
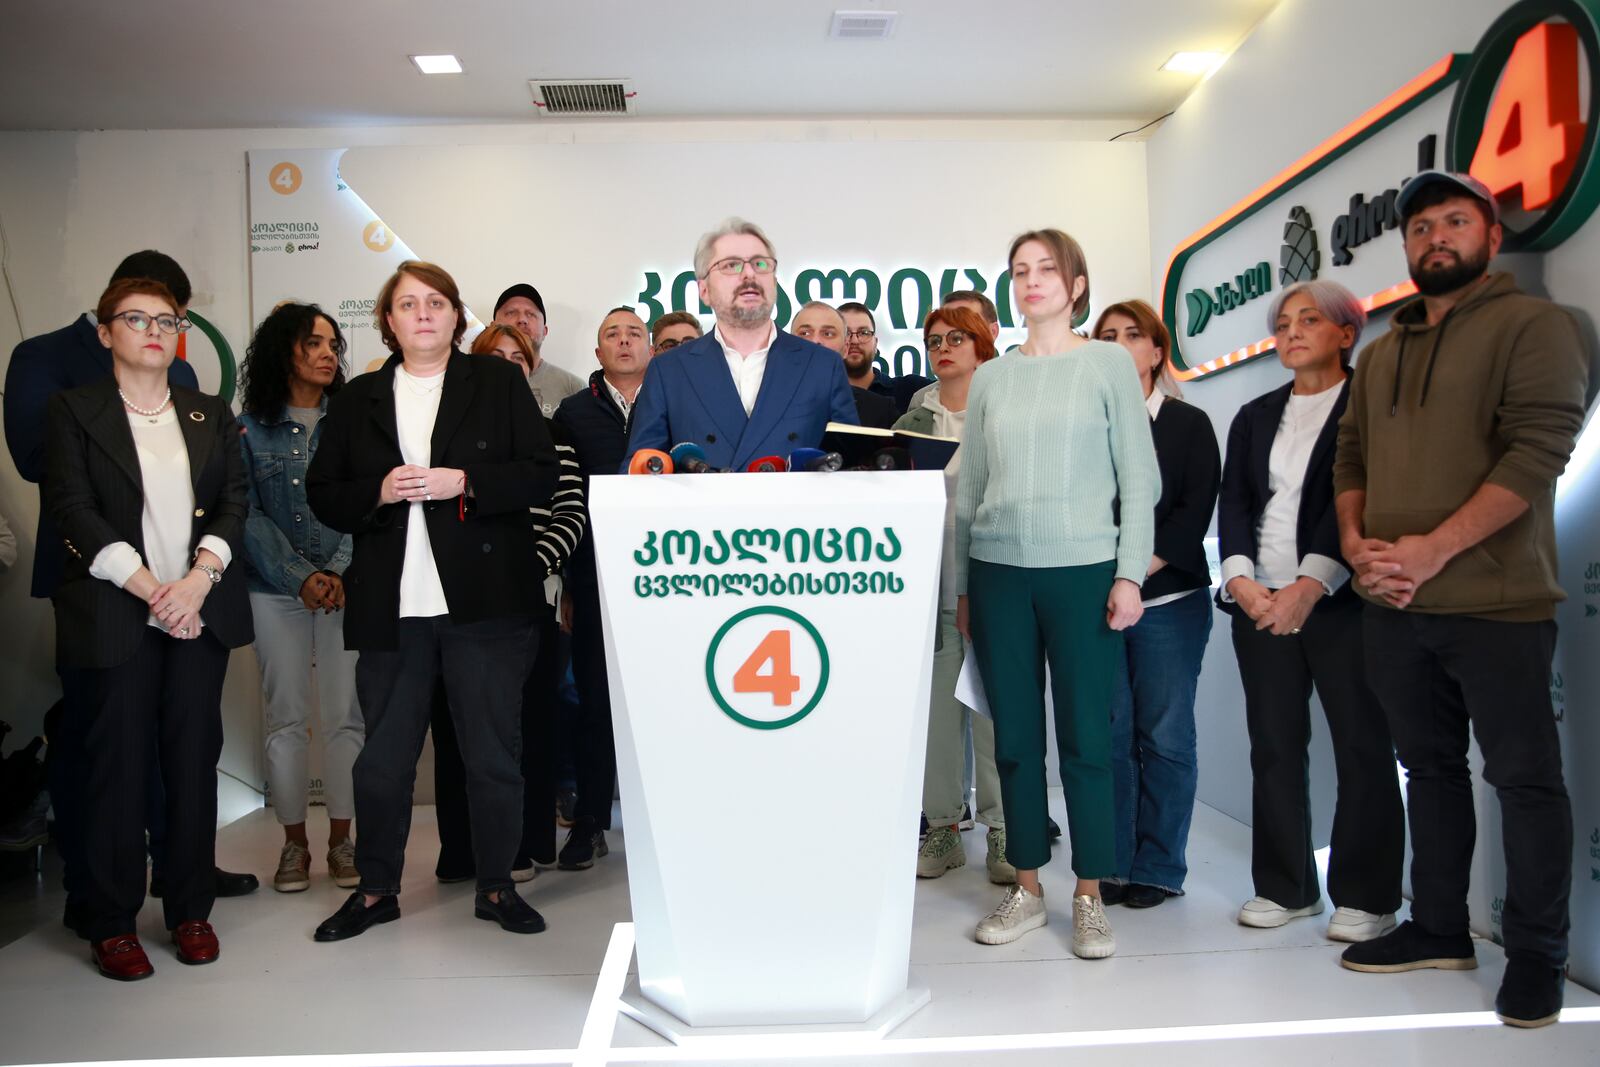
{"x":1153,"y":760}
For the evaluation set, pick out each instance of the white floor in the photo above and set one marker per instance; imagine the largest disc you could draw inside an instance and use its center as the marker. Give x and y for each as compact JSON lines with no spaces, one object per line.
{"x":1186,"y":986}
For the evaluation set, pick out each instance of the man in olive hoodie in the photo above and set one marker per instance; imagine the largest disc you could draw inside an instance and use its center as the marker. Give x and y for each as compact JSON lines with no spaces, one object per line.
{"x":1460,"y":420}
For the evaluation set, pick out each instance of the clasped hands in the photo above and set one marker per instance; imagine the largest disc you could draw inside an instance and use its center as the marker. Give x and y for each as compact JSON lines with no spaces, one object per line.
{"x":323,"y":591}
{"x":176,"y":605}
{"x":1282,"y":611}
{"x":1394,"y":571}
{"x":410,"y":483}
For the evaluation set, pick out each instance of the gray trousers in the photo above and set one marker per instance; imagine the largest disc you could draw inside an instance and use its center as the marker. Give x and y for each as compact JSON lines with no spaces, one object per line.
{"x":948,"y":719}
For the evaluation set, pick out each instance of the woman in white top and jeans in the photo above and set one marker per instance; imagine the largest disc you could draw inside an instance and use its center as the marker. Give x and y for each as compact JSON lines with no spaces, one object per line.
{"x":1297,"y":625}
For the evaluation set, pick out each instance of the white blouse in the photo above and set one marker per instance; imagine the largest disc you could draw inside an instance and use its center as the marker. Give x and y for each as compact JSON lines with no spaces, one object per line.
{"x":416,"y":406}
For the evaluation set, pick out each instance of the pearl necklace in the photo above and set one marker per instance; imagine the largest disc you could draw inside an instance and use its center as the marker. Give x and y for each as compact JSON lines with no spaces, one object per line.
{"x":137,"y":410}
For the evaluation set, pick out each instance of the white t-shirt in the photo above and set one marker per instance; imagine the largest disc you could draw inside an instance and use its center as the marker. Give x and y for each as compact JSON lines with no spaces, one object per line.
{"x":416,"y":405}
{"x":748,"y":370}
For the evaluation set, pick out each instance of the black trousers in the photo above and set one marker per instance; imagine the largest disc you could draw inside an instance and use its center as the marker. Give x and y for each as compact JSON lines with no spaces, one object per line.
{"x":596,"y":743}
{"x":483,"y":665}
{"x":169,"y":693}
{"x":1367,"y":849}
{"x":547,"y":655}
{"x":1439,"y":676}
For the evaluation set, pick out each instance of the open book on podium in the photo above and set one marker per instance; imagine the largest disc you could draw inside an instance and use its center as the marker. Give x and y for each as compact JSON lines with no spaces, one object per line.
{"x":857,"y":444}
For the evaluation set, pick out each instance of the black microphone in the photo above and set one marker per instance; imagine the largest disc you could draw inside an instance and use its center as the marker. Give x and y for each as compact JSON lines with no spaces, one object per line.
{"x":690,"y":458}
{"x":650,"y":461}
{"x":766,"y":463}
{"x":814,"y":459}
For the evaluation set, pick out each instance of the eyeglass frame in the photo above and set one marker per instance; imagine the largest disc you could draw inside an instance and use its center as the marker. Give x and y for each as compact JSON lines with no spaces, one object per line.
{"x":943,"y":340}
{"x":743,"y":261}
{"x":861,"y":334}
{"x":180,"y":324}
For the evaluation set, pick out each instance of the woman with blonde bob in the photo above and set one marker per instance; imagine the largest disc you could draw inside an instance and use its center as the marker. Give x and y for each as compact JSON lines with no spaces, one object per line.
{"x":1152,"y":718}
{"x":1297,"y":626}
{"x":1047,"y":571}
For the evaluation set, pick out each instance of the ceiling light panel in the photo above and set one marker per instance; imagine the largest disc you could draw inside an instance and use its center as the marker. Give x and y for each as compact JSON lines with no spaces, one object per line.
{"x":1193,"y":62}
{"x":437,"y":64}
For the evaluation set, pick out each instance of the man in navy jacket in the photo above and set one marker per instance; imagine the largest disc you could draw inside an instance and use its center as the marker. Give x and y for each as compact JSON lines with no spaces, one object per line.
{"x":65,"y":359}
{"x":747,"y":389}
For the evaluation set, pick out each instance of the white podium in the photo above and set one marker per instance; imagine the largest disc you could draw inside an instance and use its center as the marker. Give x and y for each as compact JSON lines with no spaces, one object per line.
{"x":769,"y":640}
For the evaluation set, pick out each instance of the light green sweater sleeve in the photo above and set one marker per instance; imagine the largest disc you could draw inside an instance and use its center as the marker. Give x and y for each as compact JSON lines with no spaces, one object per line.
{"x":1133,"y":454}
{"x":974,"y":475}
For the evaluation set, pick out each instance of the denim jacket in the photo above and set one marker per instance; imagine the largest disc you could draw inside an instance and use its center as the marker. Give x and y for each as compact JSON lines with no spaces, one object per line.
{"x":283,"y":541}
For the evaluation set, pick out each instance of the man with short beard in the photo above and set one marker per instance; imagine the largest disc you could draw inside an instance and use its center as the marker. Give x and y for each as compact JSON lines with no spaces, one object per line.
{"x":861,"y":348}
{"x":1459,"y":421}
{"x":747,"y":390}
{"x":823,"y":324}
{"x":522,"y":306}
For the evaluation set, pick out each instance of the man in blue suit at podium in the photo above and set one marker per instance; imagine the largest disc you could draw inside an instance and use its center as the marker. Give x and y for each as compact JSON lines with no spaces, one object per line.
{"x":747,"y":390}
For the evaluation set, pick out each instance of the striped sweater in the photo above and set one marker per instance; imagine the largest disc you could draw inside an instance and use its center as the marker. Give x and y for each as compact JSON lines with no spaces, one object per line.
{"x":1050,"y":443}
{"x":559,"y":527}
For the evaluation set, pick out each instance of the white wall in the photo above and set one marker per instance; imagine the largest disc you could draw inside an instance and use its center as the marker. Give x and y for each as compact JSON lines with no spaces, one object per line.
{"x":72,"y":204}
{"x":1309,"y":68}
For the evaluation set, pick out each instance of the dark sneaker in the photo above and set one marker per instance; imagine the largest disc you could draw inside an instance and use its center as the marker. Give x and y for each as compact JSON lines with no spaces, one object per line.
{"x":1143,"y":896}
{"x":586,"y":843}
{"x":1530,"y":994}
{"x":566,"y":804}
{"x":510,"y":911}
{"x":1054,"y":829}
{"x":1410,"y":948}
{"x":1112,"y":893}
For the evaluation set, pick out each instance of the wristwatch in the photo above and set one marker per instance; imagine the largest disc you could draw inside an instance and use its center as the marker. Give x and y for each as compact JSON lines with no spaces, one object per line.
{"x":210,"y":572}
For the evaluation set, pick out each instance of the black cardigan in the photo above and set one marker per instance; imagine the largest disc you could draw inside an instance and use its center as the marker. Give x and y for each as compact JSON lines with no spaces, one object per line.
{"x":1245,"y":489}
{"x":1191,"y":468}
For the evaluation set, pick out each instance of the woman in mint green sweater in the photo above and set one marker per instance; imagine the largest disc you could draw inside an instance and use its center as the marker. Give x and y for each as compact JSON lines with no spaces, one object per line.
{"x":1057,"y":436}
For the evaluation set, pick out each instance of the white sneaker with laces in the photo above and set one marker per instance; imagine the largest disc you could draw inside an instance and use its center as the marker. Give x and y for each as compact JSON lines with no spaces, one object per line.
{"x":1267,"y":914}
{"x":1019,"y":912}
{"x":1353,"y":924}
{"x":342,"y":864}
{"x":941,"y":851}
{"x":1091,"y":930}
{"x":294,"y":868}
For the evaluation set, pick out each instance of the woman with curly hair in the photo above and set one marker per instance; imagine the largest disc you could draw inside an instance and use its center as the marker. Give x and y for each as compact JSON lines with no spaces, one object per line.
{"x":296,"y":566}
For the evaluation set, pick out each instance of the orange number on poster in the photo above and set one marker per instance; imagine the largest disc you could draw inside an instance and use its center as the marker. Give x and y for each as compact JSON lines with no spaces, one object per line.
{"x":1532,"y":133}
{"x":781,"y":682}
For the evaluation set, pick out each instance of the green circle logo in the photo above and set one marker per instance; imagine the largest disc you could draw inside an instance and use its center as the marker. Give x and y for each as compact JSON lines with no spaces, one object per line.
{"x":762,"y":661}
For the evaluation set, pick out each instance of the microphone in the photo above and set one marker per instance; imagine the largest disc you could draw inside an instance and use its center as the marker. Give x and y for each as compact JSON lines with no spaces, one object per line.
{"x":650,"y":461}
{"x":814,"y":459}
{"x":690,"y":458}
{"x":766,"y":463}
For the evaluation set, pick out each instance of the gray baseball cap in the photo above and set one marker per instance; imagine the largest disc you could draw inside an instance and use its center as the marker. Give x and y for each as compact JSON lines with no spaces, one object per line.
{"x":1465,"y":184}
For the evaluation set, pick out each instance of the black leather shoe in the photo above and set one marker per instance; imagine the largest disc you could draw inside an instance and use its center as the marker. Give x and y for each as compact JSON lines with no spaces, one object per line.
{"x":586,"y":842}
{"x":354,"y":917}
{"x":1530,"y":994}
{"x":1408,"y":947}
{"x":1143,"y":896}
{"x":1112,"y":893}
{"x":510,"y":911}
{"x":229,"y":884}
{"x":1054,"y":828}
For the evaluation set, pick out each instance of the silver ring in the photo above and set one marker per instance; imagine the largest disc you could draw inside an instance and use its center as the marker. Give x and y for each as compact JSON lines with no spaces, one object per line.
{"x":427,"y":496}
{"x":1295,"y":630}
{"x":184,"y":632}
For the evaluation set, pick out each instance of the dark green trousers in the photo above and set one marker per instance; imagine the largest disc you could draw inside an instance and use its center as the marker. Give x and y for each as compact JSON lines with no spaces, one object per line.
{"x":1021,"y":619}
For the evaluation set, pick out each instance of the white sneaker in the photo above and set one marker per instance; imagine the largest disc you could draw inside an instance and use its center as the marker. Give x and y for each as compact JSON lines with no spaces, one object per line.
{"x":1091,"y":930}
{"x":294,"y":868}
{"x":524,"y":874}
{"x":1353,"y":924}
{"x":1001,"y":872}
{"x":1266,"y":914}
{"x":941,"y":851}
{"x":1019,"y":912}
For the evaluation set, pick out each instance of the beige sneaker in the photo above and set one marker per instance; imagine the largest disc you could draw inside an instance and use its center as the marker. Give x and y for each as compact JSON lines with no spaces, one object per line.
{"x":941,"y":851}
{"x":342,"y":864}
{"x":294,"y":868}
{"x":1000,"y":871}
{"x":1019,"y":912}
{"x":1091,"y":930}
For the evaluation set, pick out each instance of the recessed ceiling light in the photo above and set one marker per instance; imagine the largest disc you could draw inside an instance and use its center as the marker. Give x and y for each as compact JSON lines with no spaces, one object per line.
{"x":437,"y":64}
{"x":1193,"y":62}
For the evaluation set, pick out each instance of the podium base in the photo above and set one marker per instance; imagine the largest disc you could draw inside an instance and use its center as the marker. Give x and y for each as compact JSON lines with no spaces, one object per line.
{"x":637,"y":1007}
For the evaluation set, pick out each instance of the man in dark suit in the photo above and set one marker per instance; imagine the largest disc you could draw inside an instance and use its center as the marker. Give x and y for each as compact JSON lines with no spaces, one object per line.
{"x":41,"y":367}
{"x":748,"y":389}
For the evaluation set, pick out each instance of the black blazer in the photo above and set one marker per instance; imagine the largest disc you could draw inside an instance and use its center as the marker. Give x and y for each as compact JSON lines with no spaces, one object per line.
{"x":1191,"y":467}
{"x":489,"y":426}
{"x":94,"y":490}
{"x":1245,"y":494}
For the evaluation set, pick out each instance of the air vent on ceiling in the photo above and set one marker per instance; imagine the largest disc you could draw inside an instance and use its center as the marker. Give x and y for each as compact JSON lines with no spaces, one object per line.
{"x":582,"y":97}
{"x":862,"y":25}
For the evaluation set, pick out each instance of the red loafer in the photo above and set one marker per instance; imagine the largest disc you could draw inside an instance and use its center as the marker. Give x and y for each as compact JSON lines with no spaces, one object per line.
{"x":196,"y":941}
{"x":122,"y":958}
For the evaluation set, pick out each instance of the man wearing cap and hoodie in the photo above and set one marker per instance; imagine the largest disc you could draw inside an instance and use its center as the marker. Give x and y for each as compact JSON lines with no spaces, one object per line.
{"x":522,"y":306}
{"x":1460,"y":419}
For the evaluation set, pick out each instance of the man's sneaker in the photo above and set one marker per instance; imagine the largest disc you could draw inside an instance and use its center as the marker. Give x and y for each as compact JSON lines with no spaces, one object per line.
{"x":524,"y":871}
{"x":1530,"y":994}
{"x":1091,"y":930}
{"x":294,"y":868}
{"x":586,"y":843}
{"x":1353,"y":924}
{"x":941,"y":851}
{"x":1266,"y":914}
{"x":966,"y":821}
{"x":1410,"y":948}
{"x":1019,"y":912}
{"x":566,"y":805}
{"x":1000,"y":870}
{"x":342,"y":864}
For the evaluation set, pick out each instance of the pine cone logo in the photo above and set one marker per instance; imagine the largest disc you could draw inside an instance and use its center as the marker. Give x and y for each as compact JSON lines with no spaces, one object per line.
{"x":1300,"y":258}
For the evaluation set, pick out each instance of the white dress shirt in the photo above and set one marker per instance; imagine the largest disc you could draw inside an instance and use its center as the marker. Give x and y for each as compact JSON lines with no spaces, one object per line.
{"x":416,"y":406}
{"x":748,"y":370}
{"x":623,"y":403}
